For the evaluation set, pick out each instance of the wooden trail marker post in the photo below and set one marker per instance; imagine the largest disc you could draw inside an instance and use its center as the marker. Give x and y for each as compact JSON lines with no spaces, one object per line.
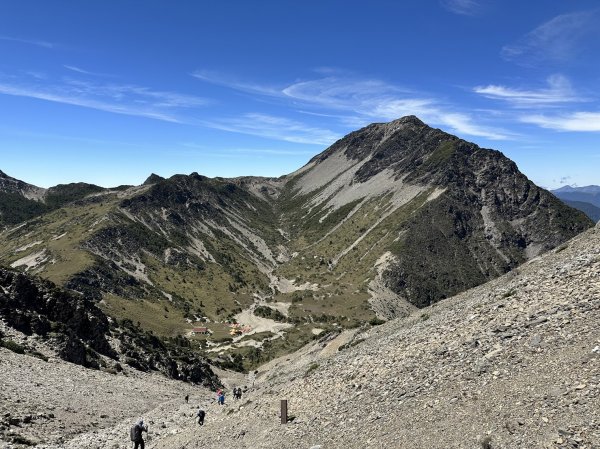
{"x":284,"y":411}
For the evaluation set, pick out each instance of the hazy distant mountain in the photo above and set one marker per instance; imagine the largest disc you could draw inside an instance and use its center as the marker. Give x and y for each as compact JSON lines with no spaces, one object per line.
{"x":391,"y":217}
{"x":594,"y":190}
{"x":587,"y":208}
{"x":587,"y":194}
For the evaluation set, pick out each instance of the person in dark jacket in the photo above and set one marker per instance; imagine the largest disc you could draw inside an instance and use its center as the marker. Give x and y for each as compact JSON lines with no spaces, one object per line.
{"x":137,"y":435}
{"x":201,"y":414}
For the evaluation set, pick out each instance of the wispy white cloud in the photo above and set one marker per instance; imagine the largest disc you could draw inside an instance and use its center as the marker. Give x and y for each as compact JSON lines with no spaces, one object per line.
{"x":462,"y":7}
{"x":464,"y":124}
{"x":559,"y":91}
{"x":333,"y":92}
{"x":559,"y":39}
{"x":220,"y":79}
{"x":564,"y":180}
{"x":84,"y":102}
{"x":35,"y":74}
{"x":238,"y":151}
{"x":357,"y":102}
{"x":343,"y":93}
{"x":116,"y":98}
{"x":273,"y":127}
{"x":84,"y":72}
{"x":37,"y":43}
{"x":572,"y":121}
{"x":372,"y":100}
{"x":135,"y":94}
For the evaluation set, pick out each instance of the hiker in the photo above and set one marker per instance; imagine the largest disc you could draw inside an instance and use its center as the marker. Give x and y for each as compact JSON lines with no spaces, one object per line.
{"x":221,"y":397}
{"x":239,"y":393}
{"x":235,"y":393}
{"x":136,"y":434}
{"x":187,"y":398}
{"x":201,"y":414}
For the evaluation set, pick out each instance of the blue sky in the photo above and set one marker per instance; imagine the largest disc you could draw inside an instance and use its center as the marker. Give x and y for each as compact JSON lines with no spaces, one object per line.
{"x":108,"y":92}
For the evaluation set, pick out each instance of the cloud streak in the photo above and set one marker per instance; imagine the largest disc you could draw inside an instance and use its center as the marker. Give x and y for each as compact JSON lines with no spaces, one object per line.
{"x":559,"y":91}
{"x":84,"y":72}
{"x":557,"y":40}
{"x":462,"y":7}
{"x":37,"y":43}
{"x":357,"y":102}
{"x":463,"y":123}
{"x":266,"y":151}
{"x":273,"y":127}
{"x":573,"y":121}
{"x":126,"y":99}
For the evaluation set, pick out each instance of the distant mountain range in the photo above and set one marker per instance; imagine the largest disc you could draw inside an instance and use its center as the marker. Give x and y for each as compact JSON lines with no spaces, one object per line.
{"x":391,"y":217}
{"x":586,"y":199}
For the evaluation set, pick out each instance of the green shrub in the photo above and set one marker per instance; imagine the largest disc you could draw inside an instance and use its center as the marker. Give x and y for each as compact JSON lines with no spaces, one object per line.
{"x":20,"y":439}
{"x":268,"y":312}
{"x":311,"y":368}
{"x":376,"y":321}
{"x":351,"y":344}
{"x":12,"y":346}
{"x":39,"y":355}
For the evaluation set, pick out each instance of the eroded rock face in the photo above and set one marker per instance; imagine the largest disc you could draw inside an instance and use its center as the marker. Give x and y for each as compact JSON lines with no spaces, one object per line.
{"x":35,"y":306}
{"x":80,"y":332}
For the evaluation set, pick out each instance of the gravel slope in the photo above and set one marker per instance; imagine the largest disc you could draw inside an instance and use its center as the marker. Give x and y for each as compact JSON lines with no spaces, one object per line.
{"x":514,"y":363}
{"x":511,"y":364}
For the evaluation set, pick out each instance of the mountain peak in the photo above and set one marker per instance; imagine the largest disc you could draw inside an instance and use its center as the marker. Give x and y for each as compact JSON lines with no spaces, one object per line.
{"x":153,"y":179}
{"x":8,"y":184}
{"x":408,"y":119}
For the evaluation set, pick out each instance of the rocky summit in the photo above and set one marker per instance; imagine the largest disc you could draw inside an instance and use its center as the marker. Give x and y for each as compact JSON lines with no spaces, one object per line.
{"x":514,"y":363}
{"x":393,"y":217}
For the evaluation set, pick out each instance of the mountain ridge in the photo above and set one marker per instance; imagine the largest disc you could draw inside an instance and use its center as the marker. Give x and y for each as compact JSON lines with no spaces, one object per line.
{"x":391,"y":217}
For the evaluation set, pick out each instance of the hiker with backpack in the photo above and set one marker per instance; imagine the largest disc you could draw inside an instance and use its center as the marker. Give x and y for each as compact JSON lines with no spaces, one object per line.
{"x":135,"y":433}
{"x":237,"y":393}
{"x":201,"y":414}
{"x":220,"y":397}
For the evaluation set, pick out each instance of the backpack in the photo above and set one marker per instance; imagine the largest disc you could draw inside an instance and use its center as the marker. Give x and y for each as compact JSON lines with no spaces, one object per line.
{"x":201,"y":414}
{"x":132,"y":433}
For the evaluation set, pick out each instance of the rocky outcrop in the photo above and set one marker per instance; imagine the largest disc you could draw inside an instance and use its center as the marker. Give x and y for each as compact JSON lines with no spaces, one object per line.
{"x":35,"y":306}
{"x":80,"y":332}
{"x":11,"y":185}
{"x":153,"y":179}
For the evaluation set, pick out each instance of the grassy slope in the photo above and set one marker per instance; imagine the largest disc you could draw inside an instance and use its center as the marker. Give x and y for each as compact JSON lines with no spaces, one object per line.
{"x":221,"y":289}
{"x":61,"y":233}
{"x":343,"y":289}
